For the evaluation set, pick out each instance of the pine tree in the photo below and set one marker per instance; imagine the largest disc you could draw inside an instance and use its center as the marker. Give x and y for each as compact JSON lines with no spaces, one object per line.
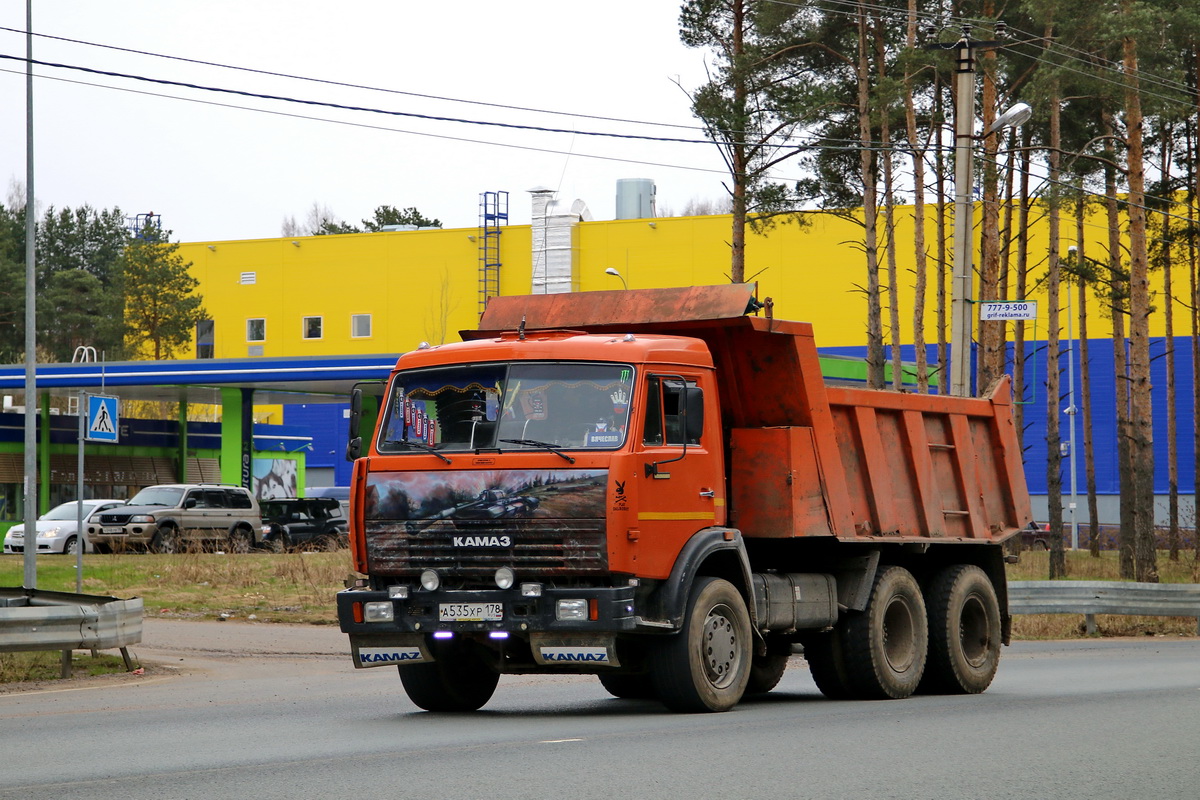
{"x":161,"y":309}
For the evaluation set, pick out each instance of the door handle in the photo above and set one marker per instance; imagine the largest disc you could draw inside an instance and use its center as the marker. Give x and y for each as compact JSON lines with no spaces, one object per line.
{"x":707,"y":493}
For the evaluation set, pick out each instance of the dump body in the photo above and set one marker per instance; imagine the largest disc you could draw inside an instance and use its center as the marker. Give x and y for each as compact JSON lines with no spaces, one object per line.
{"x":602,"y":482}
{"x":806,"y":459}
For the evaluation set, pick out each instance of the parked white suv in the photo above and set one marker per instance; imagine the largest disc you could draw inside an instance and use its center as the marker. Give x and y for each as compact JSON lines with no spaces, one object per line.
{"x":172,"y":517}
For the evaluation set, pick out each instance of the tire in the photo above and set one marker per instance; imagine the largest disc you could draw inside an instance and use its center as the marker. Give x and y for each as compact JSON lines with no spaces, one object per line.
{"x":766,"y":671}
{"x":276,"y":544}
{"x":70,"y":547}
{"x":240,"y":541}
{"x":964,"y":632}
{"x":628,"y":686}
{"x":886,"y":644}
{"x":166,"y":541}
{"x":827,"y":663}
{"x":459,"y":680}
{"x":705,"y":667}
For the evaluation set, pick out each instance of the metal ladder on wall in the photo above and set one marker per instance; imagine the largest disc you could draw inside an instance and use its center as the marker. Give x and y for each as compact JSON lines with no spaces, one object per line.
{"x":493,"y":216}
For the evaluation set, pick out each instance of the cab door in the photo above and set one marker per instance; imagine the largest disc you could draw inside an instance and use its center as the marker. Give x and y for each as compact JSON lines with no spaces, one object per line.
{"x":680,"y":490}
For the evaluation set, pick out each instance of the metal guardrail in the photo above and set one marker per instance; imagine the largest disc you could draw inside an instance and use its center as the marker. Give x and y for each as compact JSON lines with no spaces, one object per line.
{"x":1105,"y":597}
{"x":31,"y":619}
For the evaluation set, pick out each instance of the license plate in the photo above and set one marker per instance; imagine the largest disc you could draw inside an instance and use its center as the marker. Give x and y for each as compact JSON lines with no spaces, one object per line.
{"x":470,"y":612}
{"x":112,"y":530}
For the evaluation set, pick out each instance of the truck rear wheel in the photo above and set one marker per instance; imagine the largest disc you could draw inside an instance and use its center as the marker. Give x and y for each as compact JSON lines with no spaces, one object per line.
{"x":964,"y":632}
{"x":459,"y":680}
{"x":706,"y":665}
{"x":766,"y":670}
{"x":886,"y":645}
{"x":827,"y":663}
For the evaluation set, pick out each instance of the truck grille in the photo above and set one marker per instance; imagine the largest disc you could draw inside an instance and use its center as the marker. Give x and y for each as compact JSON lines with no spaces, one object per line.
{"x":114,"y":519}
{"x":538,"y":547}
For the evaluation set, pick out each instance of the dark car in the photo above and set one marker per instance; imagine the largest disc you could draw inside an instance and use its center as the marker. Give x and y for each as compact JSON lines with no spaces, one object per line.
{"x":315,"y":522}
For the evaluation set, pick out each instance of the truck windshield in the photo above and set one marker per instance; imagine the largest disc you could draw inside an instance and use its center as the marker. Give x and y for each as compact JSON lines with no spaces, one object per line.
{"x":511,"y":406}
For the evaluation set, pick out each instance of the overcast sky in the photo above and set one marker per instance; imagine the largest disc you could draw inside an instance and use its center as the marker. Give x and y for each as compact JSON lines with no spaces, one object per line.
{"x":214,"y":170}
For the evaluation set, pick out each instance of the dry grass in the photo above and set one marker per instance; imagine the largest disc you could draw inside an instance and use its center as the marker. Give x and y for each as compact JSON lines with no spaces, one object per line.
{"x":1081,"y":566}
{"x":270,"y":587}
{"x":47,"y":666}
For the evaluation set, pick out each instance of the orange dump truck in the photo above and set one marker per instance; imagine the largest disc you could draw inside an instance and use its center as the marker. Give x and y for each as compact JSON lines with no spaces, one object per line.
{"x":659,"y":488}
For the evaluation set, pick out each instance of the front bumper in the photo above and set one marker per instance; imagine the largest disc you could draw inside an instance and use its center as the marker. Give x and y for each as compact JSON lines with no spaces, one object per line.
{"x":611,"y":609}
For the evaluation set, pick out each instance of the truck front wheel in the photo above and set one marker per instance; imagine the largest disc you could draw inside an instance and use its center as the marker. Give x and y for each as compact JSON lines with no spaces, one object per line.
{"x":886,"y":644}
{"x":964,"y":632}
{"x":627,"y":686}
{"x":459,"y":680}
{"x":706,"y":665}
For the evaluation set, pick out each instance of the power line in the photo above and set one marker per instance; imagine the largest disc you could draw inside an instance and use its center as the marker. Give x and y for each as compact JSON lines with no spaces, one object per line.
{"x":343,"y":107}
{"x":346,"y":85}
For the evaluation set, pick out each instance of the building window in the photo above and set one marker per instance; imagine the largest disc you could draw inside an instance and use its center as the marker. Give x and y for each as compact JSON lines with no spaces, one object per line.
{"x":205,"y":338}
{"x":360,"y":326}
{"x":311,"y":328}
{"x":256,"y":330}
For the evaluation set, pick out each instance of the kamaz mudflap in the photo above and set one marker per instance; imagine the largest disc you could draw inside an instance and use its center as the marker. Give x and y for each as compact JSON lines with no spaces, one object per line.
{"x":386,"y":651}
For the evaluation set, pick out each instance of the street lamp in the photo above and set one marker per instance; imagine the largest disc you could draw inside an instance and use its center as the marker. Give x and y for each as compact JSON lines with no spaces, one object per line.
{"x":613,"y":271}
{"x":962,"y":314}
{"x":1071,"y":410}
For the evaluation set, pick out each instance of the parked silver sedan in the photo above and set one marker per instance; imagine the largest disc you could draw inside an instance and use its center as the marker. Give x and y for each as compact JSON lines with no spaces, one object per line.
{"x":56,"y":529}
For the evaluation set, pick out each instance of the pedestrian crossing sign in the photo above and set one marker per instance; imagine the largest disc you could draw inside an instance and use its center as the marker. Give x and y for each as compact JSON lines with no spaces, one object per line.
{"x":102,"y":420}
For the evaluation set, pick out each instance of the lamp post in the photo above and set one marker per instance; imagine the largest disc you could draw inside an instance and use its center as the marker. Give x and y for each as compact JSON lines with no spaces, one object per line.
{"x":613,"y":271}
{"x":1071,"y":410}
{"x":962,"y":312}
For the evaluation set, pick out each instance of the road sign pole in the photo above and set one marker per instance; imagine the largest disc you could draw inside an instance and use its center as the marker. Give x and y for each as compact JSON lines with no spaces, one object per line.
{"x":79,"y":532}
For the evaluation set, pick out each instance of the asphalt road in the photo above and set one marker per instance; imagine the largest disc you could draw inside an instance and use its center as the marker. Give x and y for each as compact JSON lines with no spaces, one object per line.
{"x":233,"y":710}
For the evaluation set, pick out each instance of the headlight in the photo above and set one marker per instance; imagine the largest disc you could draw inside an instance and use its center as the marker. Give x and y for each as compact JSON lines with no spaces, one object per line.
{"x":379,"y":611}
{"x":571,"y":609}
{"x":430,"y":580}
{"x":48,"y":534}
{"x":505,"y":578}
{"x":142,"y":518}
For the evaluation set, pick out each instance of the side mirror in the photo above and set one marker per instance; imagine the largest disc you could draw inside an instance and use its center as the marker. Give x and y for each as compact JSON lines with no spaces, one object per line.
{"x":189,"y":503}
{"x":354,"y":445}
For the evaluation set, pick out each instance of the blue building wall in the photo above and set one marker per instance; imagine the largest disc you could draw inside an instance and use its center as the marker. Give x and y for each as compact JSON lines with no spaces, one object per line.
{"x":1103,"y":403}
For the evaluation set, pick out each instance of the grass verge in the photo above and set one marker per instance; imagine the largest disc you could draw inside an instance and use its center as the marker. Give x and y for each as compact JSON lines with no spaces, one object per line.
{"x":1081,"y":566}
{"x":47,"y":666}
{"x":269,"y":587}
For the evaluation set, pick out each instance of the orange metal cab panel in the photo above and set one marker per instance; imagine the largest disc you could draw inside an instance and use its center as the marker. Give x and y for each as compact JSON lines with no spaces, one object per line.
{"x":648,"y":519}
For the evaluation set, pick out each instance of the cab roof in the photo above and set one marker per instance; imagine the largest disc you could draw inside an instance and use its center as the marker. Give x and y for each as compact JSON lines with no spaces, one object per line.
{"x":555,"y":345}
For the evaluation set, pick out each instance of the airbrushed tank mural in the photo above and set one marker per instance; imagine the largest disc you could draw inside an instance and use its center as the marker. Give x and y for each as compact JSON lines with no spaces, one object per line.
{"x":479,"y":497}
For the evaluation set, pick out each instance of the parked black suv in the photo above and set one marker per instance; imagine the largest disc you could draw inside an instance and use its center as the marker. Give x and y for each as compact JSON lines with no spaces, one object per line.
{"x":304,"y":522}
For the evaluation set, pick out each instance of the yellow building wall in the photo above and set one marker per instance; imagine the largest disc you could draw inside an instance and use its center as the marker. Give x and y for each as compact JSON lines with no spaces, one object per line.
{"x":424,"y":285}
{"x":416,"y":285}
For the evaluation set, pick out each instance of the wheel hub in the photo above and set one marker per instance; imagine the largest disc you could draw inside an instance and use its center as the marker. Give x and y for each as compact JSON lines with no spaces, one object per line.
{"x":720,"y":651}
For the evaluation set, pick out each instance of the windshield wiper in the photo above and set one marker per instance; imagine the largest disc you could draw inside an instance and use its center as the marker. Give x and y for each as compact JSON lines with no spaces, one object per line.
{"x":553,"y":448}
{"x":426,"y":448}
